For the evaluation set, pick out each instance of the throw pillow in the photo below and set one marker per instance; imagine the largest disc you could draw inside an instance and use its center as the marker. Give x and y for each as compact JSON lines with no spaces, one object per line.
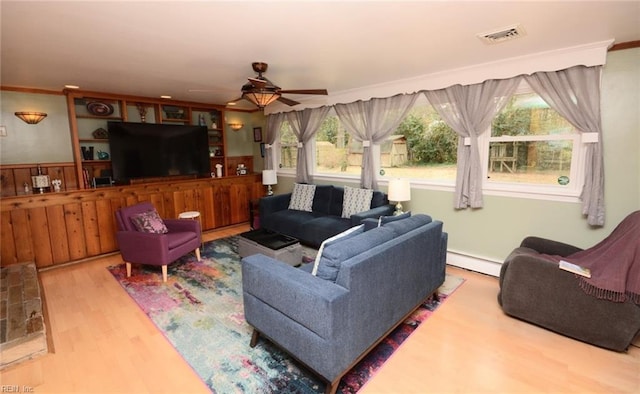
{"x":356,"y":201}
{"x":382,"y":220}
{"x":353,"y":231}
{"x":302,"y":197}
{"x":149,"y":222}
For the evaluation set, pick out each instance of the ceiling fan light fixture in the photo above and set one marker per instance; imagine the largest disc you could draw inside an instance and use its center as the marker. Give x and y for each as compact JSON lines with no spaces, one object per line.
{"x":261,"y":98}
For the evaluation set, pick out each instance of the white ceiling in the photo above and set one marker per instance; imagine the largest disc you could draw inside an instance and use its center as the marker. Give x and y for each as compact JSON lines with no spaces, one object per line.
{"x":153,"y":48}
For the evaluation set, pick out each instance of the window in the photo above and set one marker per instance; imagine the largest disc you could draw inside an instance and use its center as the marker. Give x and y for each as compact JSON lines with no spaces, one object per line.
{"x":336,"y":152}
{"x":424,"y":147}
{"x":288,"y":144}
{"x":532,"y":148}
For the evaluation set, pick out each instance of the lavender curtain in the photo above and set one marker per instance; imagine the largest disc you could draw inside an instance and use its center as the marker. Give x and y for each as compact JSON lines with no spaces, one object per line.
{"x":305,"y":125}
{"x":271,"y":134}
{"x":469,"y":110}
{"x":575,"y":94}
{"x":372,"y":122}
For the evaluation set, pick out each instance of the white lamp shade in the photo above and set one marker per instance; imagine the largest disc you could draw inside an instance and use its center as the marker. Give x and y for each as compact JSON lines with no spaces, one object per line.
{"x":399,"y":190}
{"x":269,"y":177}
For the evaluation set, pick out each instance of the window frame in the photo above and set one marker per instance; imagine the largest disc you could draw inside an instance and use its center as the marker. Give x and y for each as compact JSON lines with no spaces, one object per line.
{"x":568,"y":193}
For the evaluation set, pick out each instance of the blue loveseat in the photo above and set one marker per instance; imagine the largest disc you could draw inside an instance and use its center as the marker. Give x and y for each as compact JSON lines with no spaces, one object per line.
{"x":324,"y":221}
{"x":383,"y":275}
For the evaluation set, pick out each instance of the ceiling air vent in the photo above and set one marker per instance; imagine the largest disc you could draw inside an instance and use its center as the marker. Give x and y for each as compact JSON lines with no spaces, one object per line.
{"x":504,"y":34}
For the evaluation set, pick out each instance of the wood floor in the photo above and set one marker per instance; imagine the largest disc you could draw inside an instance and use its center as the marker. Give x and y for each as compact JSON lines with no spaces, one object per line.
{"x":105,"y":344}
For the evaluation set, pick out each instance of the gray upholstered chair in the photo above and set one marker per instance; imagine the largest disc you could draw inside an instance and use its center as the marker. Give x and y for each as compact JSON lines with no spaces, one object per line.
{"x":535,"y":290}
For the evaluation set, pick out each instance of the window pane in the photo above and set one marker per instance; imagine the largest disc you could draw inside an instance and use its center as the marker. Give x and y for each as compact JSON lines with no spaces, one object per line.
{"x":536,"y":162}
{"x":423,"y":147}
{"x":528,"y":114}
{"x":288,"y":147}
{"x":334,"y":153}
{"x":530,"y":143}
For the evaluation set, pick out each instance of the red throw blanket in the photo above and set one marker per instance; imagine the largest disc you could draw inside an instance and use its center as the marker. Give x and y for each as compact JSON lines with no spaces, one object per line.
{"x":614,"y":263}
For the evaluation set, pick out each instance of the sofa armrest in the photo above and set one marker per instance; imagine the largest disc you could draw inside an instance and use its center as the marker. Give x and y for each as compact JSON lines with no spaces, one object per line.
{"x":373,"y":213}
{"x":534,"y":289}
{"x":144,"y":248}
{"x":270,"y":204}
{"x":317,"y":304}
{"x":547,"y":246}
{"x":182,"y":225}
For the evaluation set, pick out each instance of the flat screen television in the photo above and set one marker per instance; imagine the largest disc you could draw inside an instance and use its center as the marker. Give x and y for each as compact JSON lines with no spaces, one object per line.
{"x":147,"y":150}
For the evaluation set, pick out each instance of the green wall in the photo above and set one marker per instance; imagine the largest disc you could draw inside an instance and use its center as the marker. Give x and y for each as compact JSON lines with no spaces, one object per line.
{"x":492,"y":232}
{"x":46,"y":142}
{"x":487,"y":234}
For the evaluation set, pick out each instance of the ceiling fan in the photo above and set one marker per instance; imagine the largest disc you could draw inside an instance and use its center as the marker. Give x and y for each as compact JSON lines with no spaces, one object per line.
{"x":262,"y":92}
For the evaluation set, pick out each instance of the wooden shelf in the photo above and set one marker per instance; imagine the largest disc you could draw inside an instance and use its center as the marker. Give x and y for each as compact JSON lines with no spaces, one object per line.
{"x":175,"y":120}
{"x":125,"y":110}
{"x":98,"y":117}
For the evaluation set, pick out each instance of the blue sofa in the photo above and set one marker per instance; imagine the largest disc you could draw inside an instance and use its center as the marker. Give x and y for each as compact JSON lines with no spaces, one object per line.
{"x":383,"y":275}
{"x":325,"y":220}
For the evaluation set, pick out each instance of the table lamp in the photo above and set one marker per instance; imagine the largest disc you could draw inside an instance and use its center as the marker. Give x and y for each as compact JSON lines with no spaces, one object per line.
{"x":399,"y":191}
{"x":269,"y":177}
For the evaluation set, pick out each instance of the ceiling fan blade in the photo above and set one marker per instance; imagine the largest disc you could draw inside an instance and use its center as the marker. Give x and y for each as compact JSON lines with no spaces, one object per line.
{"x":288,"y":101}
{"x":258,"y":83}
{"x":306,"y":91}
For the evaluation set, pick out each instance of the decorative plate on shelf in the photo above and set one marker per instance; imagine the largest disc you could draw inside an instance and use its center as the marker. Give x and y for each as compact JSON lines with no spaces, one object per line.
{"x":100,"y":134}
{"x":99,"y":108}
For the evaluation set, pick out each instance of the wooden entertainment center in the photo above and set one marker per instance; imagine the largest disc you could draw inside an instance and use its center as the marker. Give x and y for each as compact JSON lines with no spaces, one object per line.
{"x":57,"y":228}
{"x":78,"y":222}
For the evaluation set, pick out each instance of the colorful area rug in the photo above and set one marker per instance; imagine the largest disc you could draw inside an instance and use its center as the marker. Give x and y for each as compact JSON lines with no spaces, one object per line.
{"x":200,"y":312}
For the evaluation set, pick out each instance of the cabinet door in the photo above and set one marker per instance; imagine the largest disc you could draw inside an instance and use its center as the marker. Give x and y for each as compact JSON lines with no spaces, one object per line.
{"x":240,"y":198}
{"x":221,"y":203}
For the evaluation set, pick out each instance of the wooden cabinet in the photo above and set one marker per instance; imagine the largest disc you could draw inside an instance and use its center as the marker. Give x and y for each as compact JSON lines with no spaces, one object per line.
{"x":56,"y":228}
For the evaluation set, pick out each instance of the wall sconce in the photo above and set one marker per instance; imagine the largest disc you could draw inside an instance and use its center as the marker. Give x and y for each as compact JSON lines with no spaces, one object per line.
{"x":31,"y":117}
{"x":235,"y":126}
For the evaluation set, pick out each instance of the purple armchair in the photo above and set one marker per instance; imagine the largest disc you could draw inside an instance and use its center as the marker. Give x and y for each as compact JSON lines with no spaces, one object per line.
{"x":151,"y":248}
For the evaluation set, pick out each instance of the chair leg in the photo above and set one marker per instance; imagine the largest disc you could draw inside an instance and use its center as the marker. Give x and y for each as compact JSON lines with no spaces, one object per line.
{"x":254,"y":338}
{"x":332,"y":387}
{"x":164,"y":273}
{"x":198,"y":253}
{"x":128,"y":269}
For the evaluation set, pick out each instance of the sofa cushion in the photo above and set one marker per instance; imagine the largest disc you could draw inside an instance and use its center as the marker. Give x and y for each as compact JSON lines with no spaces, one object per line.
{"x":403,"y":226}
{"x":370,"y":224}
{"x":351,"y":232}
{"x":302,"y":197}
{"x":322,"y":199}
{"x":335,"y":254}
{"x":378,"y":199}
{"x":382,"y":220}
{"x":316,"y":230}
{"x":335,"y":204}
{"x":149,"y":222}
{"x":290,"y":221}
{"x":356,"y":200}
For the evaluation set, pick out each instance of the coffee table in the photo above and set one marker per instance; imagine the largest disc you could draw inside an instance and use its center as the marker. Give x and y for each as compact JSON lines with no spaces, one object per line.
{"x":270,"y":243}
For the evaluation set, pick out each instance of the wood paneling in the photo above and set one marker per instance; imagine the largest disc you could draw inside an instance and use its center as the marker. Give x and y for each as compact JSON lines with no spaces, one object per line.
{"x":55,"y":228}
{"x":13,"y":177}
